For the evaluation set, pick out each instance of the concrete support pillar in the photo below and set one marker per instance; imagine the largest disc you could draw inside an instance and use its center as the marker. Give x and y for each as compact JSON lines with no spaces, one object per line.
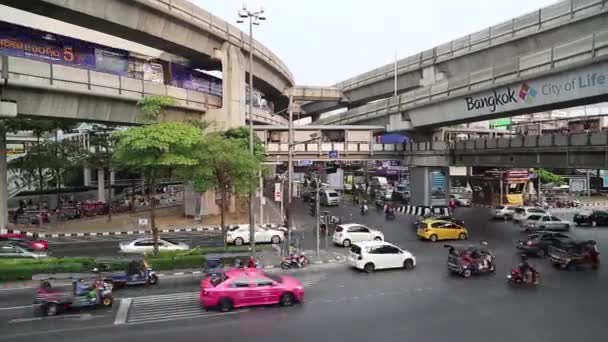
{"x":3,"y":180}
{"x":112,"y":181}
{"x":87,"y":176}
{"x":101,"y":191}
{"x":232,"y":113}
{"x":429,"y":186}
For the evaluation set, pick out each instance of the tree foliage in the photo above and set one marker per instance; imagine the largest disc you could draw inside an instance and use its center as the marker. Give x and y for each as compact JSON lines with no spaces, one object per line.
{"x":550,"y":177}
{"x":223,"y":164}
{"x":155,"y":149}
{"x":151,"y":107}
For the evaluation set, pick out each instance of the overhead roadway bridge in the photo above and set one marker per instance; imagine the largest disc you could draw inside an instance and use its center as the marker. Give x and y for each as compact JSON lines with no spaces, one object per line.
{"x":561,"y":151}
{"x":554,"y":44}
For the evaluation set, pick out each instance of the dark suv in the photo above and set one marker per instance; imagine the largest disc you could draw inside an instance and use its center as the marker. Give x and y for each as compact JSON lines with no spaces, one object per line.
{"x":591,"y":217}
{"x":538,"y":243}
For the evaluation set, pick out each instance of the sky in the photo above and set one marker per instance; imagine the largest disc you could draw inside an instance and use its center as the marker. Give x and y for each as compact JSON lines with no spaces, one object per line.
{"x":327,"y":41}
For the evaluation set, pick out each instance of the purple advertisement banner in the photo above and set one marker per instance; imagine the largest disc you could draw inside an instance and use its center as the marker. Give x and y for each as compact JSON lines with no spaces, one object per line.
{"x":21,"y":41}
{"x":185,"y":77}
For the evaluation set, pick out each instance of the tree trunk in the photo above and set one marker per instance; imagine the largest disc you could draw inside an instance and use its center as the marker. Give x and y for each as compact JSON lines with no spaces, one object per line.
{"x":152,"y":200}
{"x":223,"y":217}
{"x":41,"y":188}
{"x":58,"y":177}
{"x":110,"y":195}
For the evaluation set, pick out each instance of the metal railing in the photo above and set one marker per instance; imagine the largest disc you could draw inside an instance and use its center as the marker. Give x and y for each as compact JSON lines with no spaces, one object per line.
{"x":547,"y":141}
{"x":531,"y":23}
{"x":31,"y":73}
{"x":586,"y":48}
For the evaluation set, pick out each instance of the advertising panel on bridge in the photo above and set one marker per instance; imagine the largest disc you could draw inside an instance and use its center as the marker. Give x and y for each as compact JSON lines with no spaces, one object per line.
{"x":524,"y":96}
{"x":439,"y":186}
{"x":185,"y":77}
{"x":25,"y":42}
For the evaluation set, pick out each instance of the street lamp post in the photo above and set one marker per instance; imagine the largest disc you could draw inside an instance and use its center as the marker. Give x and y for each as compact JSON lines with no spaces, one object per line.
{"x":254,"y":19}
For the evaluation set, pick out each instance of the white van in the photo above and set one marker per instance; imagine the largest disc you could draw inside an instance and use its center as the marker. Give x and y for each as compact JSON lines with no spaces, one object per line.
{"x":379,"y":182}
{"x":329,"y":197}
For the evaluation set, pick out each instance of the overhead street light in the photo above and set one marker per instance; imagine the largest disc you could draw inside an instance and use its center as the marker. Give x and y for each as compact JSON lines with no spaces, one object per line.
{"x":254,"y":18}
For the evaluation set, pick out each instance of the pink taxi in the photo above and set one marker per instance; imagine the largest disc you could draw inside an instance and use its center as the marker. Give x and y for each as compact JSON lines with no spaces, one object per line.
{"x":248,"y":287}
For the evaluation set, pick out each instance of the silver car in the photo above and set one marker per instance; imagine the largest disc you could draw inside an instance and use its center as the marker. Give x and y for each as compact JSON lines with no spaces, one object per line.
{"x":546,"y":222}
{"x":17,"y":250}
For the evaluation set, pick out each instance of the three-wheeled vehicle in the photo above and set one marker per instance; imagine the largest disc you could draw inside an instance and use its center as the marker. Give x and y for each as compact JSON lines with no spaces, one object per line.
{"x":213,"y":265}
{"x":52,"y":301}
{"x":469,"y":260}
{"x":138,"y":272}
{"x":575,"y":254}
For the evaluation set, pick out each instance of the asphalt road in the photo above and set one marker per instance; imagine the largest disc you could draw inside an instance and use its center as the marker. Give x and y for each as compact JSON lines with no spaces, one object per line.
{"x":425,"y":304}
{"x":98,"y":246}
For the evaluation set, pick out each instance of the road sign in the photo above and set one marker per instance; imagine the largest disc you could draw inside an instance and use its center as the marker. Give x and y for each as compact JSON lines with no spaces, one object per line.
{"x":305,"y":163}
{"x":278,"y":194}
{"x":333,"y":154}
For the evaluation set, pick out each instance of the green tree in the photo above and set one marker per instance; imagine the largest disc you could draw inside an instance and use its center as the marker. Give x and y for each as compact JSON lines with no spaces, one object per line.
{"x":151,"y":107}
{"x":45,"y":162}
{"x":550,"y":177}
{"x":154,"y":150}
{"x":224,"y":165}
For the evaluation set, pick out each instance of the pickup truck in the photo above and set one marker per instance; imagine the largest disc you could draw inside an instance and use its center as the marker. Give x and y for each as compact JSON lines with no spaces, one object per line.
{"x":575,"y":254}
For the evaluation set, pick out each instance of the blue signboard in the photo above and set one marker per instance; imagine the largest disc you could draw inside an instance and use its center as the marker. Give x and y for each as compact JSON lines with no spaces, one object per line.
{"x":305,"y":163}
{"x":333,"y":154}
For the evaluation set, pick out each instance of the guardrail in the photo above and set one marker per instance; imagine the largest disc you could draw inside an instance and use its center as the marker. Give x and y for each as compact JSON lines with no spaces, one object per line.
{"x":324,"y":148}
{"x":35,"y":74}
{"x":530,"y":23}
{"x":588,"y":48}
{"x":596,"y":139}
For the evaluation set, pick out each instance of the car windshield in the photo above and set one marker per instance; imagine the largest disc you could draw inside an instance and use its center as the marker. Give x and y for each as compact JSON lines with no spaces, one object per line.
{"x":339,"y":229}
{"x":536,"y":210}
{"x":332,"y":194}
{"x":171,"y":241}
{"x":277,"y":278}
{"x":233,"y":228}
{"x":355,"y":249}
{"x":520,"y":210}
{"x":500,"y":207}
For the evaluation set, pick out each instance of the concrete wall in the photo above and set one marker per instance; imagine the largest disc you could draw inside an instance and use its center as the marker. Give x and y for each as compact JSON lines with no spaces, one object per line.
{"x":177,"y":26}
{"x":497,"y":45}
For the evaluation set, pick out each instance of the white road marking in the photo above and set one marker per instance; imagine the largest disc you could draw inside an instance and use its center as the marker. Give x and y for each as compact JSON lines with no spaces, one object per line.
{"x":123,"y":311}
{"x":15,"y":307}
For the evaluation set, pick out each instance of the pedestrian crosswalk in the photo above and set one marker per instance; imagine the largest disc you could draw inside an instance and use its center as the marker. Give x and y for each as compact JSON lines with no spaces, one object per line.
{"x":176,"y":306}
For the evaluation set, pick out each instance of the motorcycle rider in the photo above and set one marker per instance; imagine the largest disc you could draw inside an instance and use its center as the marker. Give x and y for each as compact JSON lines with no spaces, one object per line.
{"x":251,"y":262}
{"x":83,"y":289}
{"x":364,"y":207}
{"x":527,"y":271}
{"x":389,"y":212}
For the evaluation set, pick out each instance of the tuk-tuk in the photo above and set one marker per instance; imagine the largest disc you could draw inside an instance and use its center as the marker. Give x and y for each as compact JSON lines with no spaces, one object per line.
{"x":52,"y":301}
{"x":137,"y":272}
{"x":213,"y":265}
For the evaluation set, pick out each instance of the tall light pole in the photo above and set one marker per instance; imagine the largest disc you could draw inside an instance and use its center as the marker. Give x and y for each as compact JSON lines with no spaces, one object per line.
{"x":254,"y":19}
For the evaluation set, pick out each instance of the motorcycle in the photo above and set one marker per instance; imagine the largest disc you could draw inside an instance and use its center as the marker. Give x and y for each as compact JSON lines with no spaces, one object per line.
{"x":390,"y":215}
{"x":295,"y":261}
{"x":518,"y":278}
{"x":364,"y":209}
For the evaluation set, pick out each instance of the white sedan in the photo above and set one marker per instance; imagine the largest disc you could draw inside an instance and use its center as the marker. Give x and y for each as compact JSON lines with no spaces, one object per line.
{"x":239,"y":235}
{"x":346,"y":234}
{"x":375,"y":255}
{"x":146,"y":245}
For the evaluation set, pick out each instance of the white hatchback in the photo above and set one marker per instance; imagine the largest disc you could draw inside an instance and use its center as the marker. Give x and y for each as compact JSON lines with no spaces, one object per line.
{"x":375,"y":255}
{"x":239,"y":235}
{"x":346,"y":234}
{"x":146,"y":245}
{"x":522,"y":213}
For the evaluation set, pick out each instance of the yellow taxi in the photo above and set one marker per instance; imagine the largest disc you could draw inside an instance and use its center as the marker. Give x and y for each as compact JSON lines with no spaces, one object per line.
{"x":442,"y":229}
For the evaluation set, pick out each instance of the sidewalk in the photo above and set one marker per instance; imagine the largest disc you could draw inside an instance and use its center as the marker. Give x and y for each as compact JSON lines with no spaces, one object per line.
{"x":167,"y":219}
